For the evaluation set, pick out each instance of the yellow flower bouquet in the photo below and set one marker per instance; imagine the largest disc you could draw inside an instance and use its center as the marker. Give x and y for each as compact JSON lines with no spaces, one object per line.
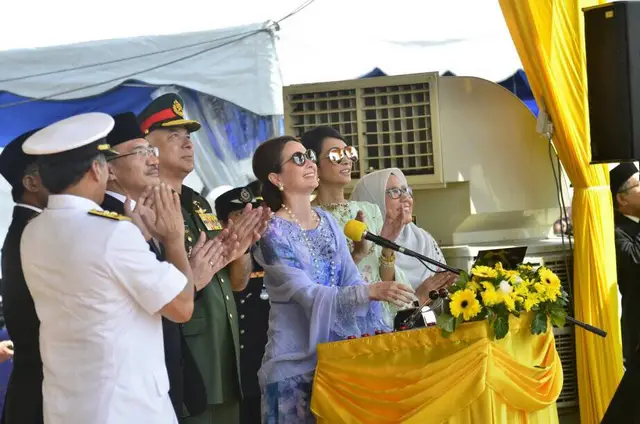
{"x":494,"y":293}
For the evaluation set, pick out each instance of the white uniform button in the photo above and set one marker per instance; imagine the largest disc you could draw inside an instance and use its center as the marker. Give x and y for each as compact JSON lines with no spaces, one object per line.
{"x":241,"y":346}
{"x":231,"y":316}
{"x":227,"y":296}
{"x":241,"y":316}
{"x":222,"y":280}
{"x":241,"y":301}
{"x":241,"y":331}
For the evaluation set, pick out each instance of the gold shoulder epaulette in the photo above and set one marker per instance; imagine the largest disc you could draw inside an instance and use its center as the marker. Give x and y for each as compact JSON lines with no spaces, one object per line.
{"x":109,"y":214}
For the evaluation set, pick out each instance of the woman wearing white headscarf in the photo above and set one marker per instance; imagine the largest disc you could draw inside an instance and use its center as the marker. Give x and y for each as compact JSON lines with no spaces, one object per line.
{"x":388,"y":189}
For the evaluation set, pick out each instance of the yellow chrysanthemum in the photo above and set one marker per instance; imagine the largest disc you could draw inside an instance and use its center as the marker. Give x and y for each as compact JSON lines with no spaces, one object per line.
{"x":525,"y":267}
{"x":540,"y":288}
{"x":490,"y":296}
{"x":513,"y":276}
{"x":464,"y":302}
{"x":521,"y":290}
{"x":499,"y":267}
{"x":484,"y":272}
{"x":531,"y":301}
{"x":473,"y":286}
{"x":509,"y":302}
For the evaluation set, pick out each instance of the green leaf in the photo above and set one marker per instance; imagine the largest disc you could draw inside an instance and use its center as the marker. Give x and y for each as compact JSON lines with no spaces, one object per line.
{"x":539,"y":324}
{"x":446,"y":322}
{"x":491,"y":315}
{"x":464,"y":277}
{"x":461,"y":283}
{"x":501,"y":326}
{"x":558,"y":316}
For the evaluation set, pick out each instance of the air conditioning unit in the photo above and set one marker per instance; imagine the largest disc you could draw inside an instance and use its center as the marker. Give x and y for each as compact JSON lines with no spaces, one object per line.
{"x":481,"y":173}
{"x":392,"y":121}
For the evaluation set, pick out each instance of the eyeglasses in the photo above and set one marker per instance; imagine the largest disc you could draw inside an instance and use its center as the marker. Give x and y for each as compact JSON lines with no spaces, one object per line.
{"x":300,"y":158}
{"x":142,"y":152}
{"x":398,"y":192}
{"x":337,"y":154}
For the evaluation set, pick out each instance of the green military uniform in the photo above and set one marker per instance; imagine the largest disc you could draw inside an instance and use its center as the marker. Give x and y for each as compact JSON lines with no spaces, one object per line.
{"x":211,"y":356}
{"x":212,"y":333}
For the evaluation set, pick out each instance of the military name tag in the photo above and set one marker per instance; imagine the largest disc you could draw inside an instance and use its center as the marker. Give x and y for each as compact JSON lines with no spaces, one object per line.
{"x":210,"y":221}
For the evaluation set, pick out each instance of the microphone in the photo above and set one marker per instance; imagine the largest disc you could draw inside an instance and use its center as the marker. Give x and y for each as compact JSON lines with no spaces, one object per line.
{"x":356,"y":231}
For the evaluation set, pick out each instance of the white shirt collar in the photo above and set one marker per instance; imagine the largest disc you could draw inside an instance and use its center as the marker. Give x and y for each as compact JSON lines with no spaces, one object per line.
{"x":70,"y":201}
{"x":633,"y":218}
{"x":120,"y":197}
{"x":33,"y":208}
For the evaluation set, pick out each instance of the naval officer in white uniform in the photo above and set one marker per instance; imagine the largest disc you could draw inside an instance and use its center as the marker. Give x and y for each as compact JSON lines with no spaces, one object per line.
{"x":99,"y":291}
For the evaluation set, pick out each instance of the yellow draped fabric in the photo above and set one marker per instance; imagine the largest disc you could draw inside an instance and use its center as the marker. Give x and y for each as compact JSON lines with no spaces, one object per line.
{"x":420,"y":377}
{"x":549,"y":37}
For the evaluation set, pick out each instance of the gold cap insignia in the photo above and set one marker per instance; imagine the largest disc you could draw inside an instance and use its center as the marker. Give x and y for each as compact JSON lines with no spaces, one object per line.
{"x":177,"y":108}
{"x":245,"y":196}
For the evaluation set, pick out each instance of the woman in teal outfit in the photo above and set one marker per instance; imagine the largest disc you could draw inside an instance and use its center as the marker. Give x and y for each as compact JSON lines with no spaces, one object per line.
{"x":335,"y":161}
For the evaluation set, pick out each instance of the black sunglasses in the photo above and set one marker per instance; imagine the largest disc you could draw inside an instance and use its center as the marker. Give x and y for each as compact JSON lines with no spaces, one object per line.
{"x":300,"y":158}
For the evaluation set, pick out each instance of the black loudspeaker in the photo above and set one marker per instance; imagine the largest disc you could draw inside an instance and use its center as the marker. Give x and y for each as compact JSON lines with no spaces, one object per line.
{"x":612,"y":38}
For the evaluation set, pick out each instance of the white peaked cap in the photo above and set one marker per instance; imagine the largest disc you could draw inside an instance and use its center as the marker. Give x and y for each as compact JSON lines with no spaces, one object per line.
{"x":70,"y":134}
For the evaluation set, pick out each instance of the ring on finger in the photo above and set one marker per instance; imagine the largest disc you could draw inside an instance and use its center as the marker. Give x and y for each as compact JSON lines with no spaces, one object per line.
{"x":210,"y":263}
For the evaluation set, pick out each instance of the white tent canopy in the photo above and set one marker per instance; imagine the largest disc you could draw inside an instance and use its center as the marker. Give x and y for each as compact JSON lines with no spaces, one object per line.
{"x":239,"y":65}
{"x":335,"y":40}
{"x":328,"y":40}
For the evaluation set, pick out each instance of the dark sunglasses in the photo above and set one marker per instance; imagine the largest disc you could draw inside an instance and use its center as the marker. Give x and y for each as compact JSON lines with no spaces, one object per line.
{"x":337,"y":154}
{"x":300,"y":158}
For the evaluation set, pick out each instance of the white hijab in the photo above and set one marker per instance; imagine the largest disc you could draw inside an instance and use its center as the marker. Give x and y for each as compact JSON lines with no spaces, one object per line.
{"x":371,"y":188}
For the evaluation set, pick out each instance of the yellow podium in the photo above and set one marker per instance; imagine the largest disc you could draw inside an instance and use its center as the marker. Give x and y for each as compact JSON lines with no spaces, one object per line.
{"x":419,"y":377}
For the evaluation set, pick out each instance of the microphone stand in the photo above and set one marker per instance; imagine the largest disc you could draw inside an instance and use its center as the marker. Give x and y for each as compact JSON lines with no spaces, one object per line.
{"x":423,"y":259}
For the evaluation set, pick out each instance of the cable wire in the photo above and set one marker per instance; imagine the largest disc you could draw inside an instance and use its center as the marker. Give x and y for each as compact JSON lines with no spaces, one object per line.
{"x":240,"y":37}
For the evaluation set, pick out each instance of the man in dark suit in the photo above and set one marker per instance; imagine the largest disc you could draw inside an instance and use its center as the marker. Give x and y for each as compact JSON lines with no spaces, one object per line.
{"x":252,"y":301}
{"x":625,"y":190}
{"x":23,"y":403}
{"x":130,"y":173}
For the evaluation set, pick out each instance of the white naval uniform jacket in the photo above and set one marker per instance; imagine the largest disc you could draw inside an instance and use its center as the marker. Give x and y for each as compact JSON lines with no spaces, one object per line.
{"x":97,"y":289}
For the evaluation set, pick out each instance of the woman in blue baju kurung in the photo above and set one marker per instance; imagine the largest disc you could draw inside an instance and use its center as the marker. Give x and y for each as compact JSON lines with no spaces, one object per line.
{"x":317,"y":294}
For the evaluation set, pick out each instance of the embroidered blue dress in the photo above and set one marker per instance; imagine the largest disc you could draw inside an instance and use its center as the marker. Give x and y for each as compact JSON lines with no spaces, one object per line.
{"x":317,"y":295}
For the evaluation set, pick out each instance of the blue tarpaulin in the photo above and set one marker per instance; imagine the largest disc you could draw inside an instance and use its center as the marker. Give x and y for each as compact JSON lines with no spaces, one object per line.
{"x":243,"y":129}
{"x":18,"y":119}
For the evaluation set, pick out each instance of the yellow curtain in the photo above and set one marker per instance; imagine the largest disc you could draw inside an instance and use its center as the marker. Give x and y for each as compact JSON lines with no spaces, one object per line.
{"x":419,"y":377}
{"x":549,"y":37}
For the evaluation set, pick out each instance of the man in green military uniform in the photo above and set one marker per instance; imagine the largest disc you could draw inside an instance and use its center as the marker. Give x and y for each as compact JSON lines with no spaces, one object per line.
{"x":212,"y":333}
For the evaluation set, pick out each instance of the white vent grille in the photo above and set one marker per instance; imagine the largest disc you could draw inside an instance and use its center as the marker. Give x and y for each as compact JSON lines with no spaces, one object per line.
{"x":391,"y":120}
{"x":562,"y":265}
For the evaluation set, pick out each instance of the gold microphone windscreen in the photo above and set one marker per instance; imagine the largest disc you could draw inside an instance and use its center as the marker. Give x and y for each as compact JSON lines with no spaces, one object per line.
{"x":354,"y":230}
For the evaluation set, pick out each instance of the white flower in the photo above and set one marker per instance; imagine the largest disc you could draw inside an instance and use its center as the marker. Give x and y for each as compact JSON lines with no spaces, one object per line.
{"x":504,"y":287}
{"x":517,"y":280}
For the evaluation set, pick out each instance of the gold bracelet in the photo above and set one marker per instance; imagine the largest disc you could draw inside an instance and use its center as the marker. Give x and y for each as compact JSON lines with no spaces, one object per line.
{"x":388,"y":262}
{"x":390,"y":258}
{"x":386,"y":265}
